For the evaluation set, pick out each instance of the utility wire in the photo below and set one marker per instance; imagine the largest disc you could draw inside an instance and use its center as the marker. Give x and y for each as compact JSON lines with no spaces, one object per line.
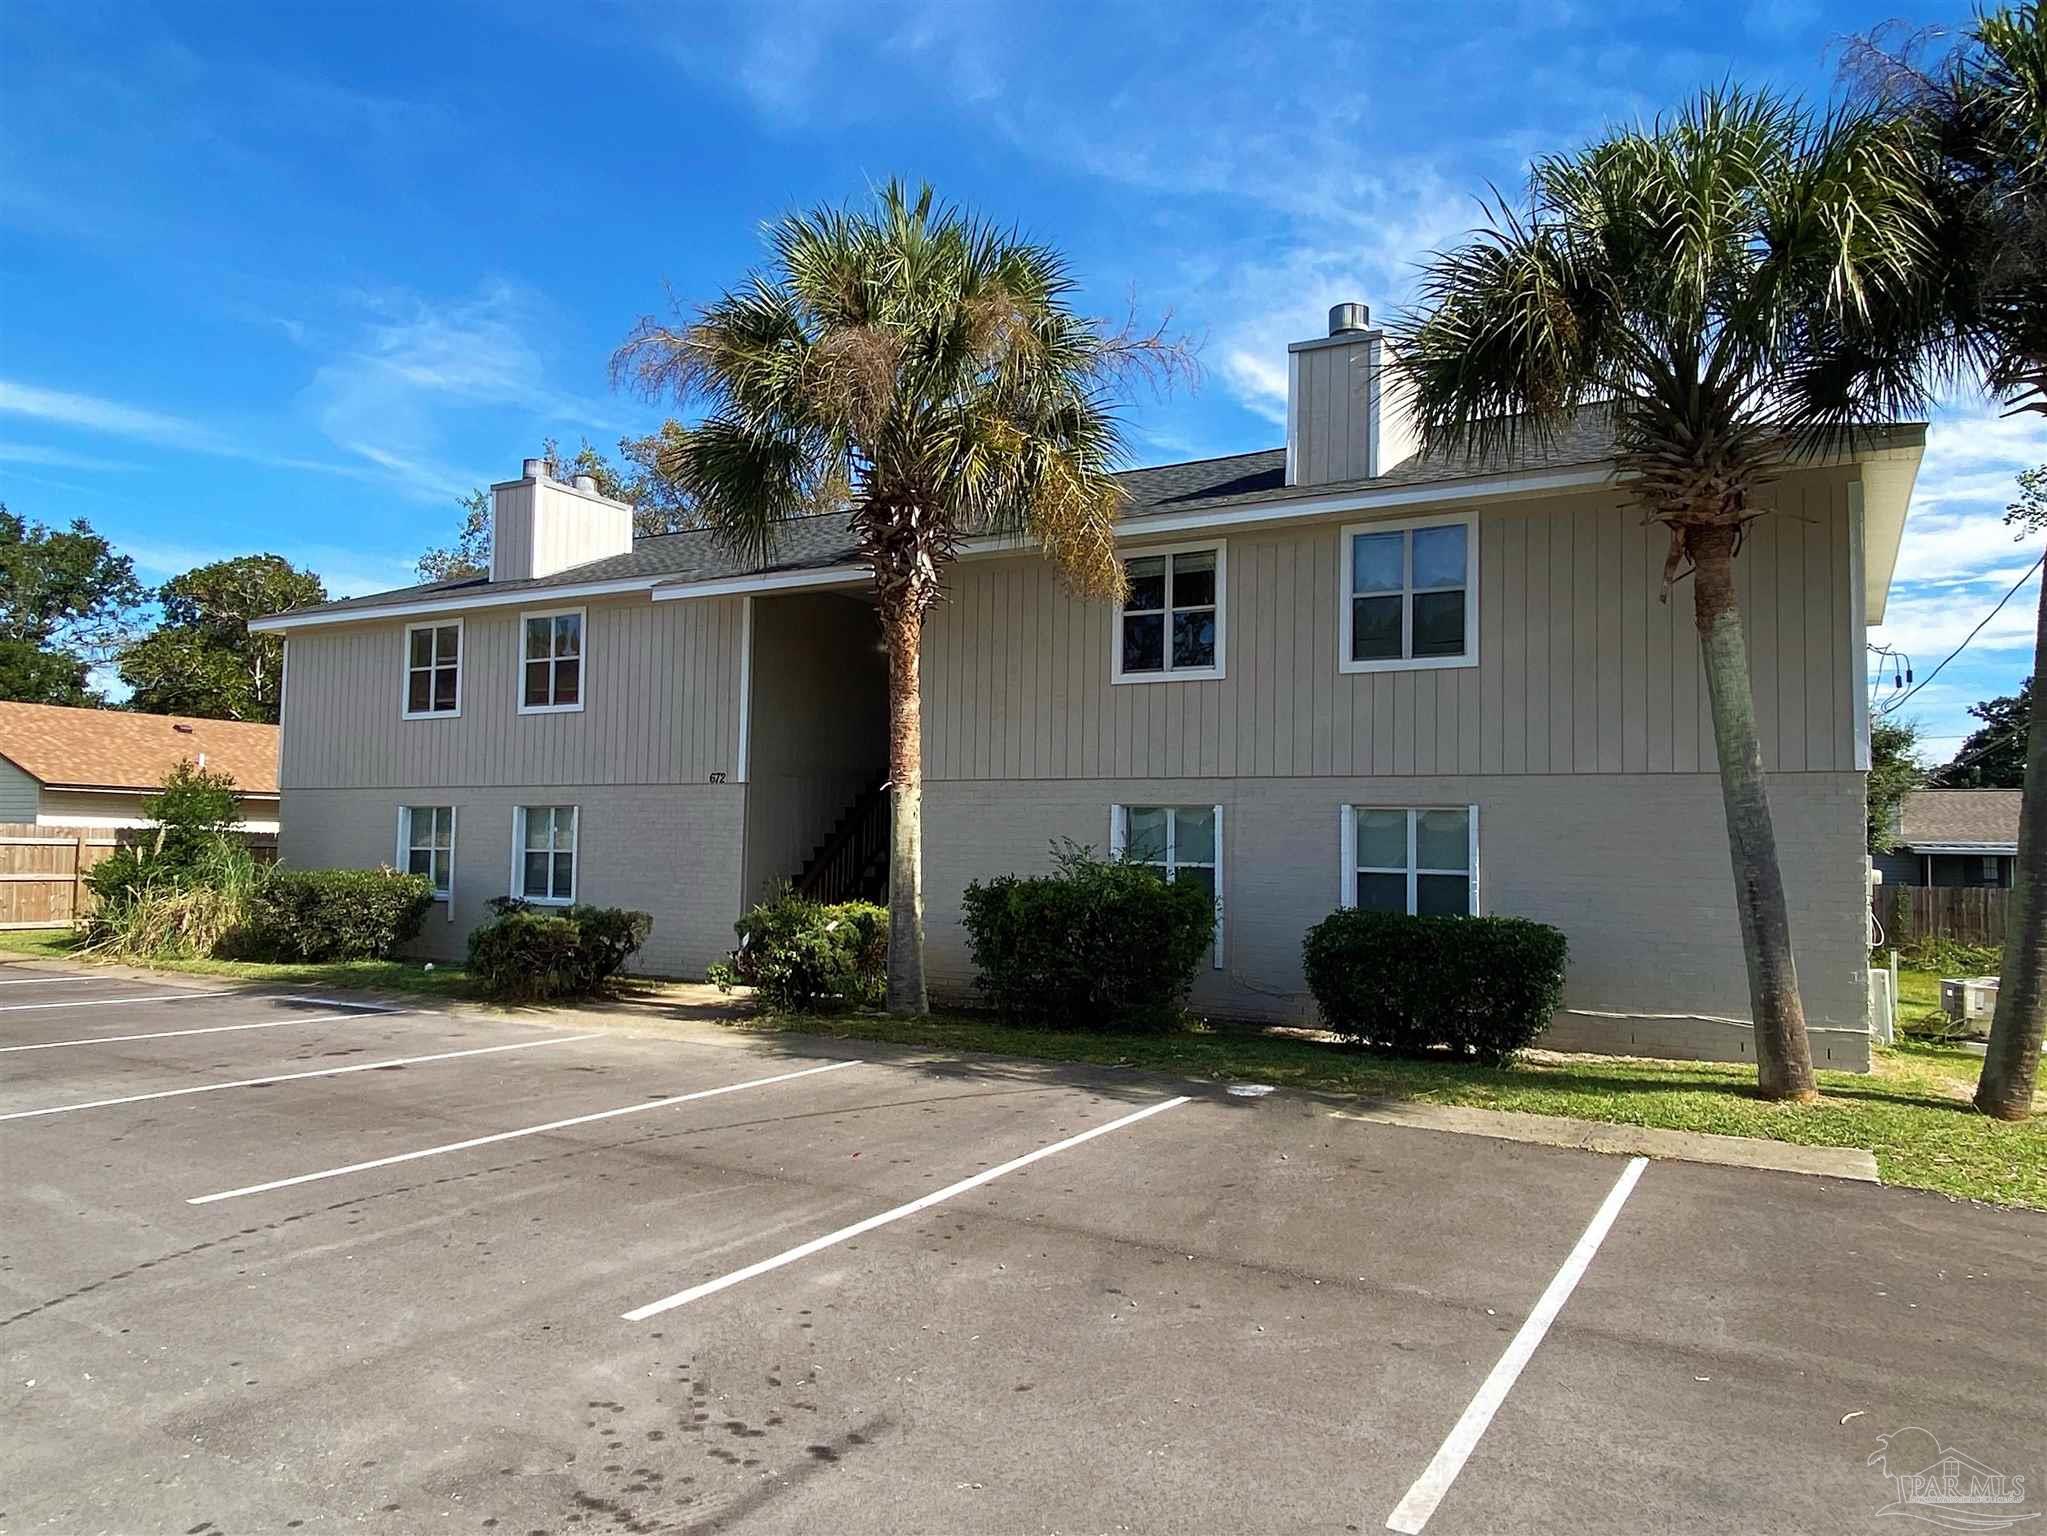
{"x":1893,"y":706}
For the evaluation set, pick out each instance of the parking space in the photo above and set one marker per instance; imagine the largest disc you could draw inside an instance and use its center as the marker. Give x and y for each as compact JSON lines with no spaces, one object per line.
{"x":334,"y":1268}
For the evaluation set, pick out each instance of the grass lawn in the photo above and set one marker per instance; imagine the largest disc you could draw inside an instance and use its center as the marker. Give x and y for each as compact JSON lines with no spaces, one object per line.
{"x":449,"y":982}
{"x":1912,"y":1112}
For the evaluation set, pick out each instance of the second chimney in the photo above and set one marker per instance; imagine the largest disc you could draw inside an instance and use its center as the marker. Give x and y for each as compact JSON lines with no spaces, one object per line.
{"x":1344,"y":418}
{"x":539,"y":526}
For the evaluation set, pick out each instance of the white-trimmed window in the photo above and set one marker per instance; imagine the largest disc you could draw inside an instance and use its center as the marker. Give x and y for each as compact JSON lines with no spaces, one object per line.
{"x":1422,"y":860}
{"x":1409,"y":595}
{"x":544,"y":853}
{"x":1182,"y":842}
{"x":426,"y":845}
{"x":433,"y":669}
{"x":551,"y":661}
{"x":1170,"y":626}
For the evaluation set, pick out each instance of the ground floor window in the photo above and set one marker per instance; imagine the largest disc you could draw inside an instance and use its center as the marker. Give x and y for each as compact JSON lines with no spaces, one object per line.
{"x":544,"y":853}
{"x":1182,"y":842}
{"x":426,"y":845}
{"x":1421,"y":860}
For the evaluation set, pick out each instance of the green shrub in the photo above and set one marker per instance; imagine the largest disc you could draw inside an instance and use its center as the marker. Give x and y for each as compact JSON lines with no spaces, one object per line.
{"x":1949,"y":957}
{"x":151,"y":912}
{"x":190,"y":841}
{"x":799,"y":953}
{"x":1098,"y":944}
{"x":335,"y":914}
{"x":1482,"y":986}
{"x":531,"y":954}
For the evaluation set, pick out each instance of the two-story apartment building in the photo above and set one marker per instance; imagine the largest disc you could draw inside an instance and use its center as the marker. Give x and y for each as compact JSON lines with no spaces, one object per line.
{"x":1345,"y":673}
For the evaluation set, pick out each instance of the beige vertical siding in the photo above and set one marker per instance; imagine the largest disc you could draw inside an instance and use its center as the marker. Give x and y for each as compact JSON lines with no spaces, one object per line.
{"x":661,"y":690}
{"x":1332,"y":412}
{"x":1582,"y":668}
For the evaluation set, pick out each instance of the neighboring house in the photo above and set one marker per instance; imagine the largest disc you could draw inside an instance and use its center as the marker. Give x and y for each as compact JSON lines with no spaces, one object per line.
{"x":95,"y":767}
{"x":1345,"y":673}
{"x":1954,"y":837}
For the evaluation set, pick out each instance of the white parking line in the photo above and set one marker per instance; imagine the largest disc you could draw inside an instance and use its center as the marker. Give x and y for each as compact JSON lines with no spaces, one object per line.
{"x":291,"y":1077}
{"x":1413,"y":1511}
{"x":925,"y":1202}
{"x":115,"y":1002}
{"x":47,"y":981}
{"x":529,"y":1130}
{"x":207,"y":1029}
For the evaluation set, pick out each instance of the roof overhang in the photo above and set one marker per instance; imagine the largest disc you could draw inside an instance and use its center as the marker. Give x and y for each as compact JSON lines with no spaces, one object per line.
{"x":1886,"y":477}
{"x":145,"y":789}
{"x":1970,"y":849}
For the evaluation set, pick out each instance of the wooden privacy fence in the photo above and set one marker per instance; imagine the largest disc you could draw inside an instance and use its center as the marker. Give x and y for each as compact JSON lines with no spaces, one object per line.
{"x":1964,"y":914}
{"x":43,"y":869}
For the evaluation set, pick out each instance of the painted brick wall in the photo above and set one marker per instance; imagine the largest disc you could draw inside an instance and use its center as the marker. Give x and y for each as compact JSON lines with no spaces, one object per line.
{"x":1633,"y":868}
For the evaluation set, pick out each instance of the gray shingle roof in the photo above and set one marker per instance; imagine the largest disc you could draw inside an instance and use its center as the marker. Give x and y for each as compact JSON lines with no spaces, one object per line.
{"x":1963,"y":818}
{"x":1200,"y":485}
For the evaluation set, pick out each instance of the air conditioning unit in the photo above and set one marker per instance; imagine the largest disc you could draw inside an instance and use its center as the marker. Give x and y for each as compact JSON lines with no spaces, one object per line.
{"x":1970,"y":999}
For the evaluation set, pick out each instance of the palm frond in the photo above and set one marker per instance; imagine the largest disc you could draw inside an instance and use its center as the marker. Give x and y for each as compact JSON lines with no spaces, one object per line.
{"x":921,"y":362}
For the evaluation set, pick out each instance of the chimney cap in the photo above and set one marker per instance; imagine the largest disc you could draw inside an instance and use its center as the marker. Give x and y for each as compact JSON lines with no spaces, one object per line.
{"x":533,"y":469}
{"x":1349,"y":316}
{"x":587,"y":483}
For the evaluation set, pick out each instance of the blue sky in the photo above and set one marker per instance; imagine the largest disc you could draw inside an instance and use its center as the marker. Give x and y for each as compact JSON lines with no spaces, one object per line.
{"x":294,"y":277}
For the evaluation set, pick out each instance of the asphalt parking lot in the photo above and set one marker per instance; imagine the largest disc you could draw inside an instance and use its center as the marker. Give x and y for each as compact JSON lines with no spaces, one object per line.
{"x":275,"y":1262}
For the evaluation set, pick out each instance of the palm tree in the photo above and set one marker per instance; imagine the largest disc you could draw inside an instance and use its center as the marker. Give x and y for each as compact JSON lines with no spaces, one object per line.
{"x":1979,"y":116}
{"x":925,"y":369}
{"x":1707,"y":280}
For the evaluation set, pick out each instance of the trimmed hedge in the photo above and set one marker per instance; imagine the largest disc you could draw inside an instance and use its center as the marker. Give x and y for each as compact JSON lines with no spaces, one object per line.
{"x":798,"y":953}
{"x":531,"y":954}
{"x":335,"y":914}
{"x":1481,"y":986}
{"x":1098,"y":944}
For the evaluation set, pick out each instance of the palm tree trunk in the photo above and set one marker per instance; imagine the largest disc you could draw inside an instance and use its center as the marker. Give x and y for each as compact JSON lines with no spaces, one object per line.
{"x":1783,"y":1054}
{"x":902,"y":624}
{"x":2011,"y":1063}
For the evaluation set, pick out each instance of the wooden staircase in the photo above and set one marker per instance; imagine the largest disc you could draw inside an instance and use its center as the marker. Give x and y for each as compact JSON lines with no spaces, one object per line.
{"x":851,"y":864}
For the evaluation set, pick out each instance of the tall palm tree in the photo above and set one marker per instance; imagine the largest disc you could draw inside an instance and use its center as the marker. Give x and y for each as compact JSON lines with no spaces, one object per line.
{"x":926,"y":370}
{"x":1978,"y":113}
{"x":1707,"y":280}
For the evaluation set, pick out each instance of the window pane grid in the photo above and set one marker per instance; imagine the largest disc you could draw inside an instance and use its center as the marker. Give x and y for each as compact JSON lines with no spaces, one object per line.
{"x":1408,"y":593}
{"x":433,"y":669}
{"x":430,"y":844}
{"x":1170,"y":618}
{"x":551,"y":659}
{"x":1412,"y":886}
{"x":1176,"y":840}
{"x":547,"y":855}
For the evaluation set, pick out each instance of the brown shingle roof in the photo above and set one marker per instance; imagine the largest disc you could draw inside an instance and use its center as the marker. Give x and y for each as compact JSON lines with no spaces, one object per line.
{"x":1960,"y":818}
{"x":112,"y":749}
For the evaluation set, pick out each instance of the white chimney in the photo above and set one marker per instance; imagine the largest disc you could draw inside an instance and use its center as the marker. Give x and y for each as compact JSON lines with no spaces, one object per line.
{"x":539,"y":526}
{"x":1345,"y":418}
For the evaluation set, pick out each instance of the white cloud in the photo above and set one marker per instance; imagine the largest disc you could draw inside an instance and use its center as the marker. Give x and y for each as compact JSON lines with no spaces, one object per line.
{"x":114,"y":418}
{"x":346,"y":570}
{"x":388,"y":395}
{"x":1928,"y":625}
{"x":92,"y":413}
{"x":56,"y":458}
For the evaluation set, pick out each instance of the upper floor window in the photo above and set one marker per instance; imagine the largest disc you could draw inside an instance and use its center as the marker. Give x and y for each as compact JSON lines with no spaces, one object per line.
{"x":544,"y":853}
{"x":551,"y":662}
{"x":1421,"y":861}
{"x":1182,"y":842}
{"x":1410,"y":595}
{"x":433,"y":669}
{"x":426,"y":845}
{"x":1171,"y":624}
